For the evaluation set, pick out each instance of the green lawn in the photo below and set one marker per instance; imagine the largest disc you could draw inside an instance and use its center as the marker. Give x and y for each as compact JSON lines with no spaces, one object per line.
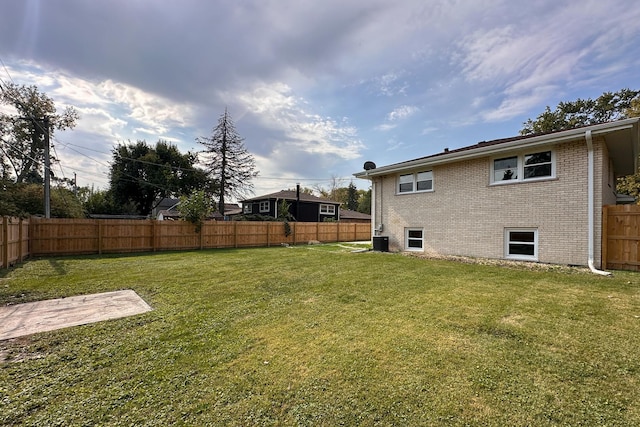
{"x":317,"y":335}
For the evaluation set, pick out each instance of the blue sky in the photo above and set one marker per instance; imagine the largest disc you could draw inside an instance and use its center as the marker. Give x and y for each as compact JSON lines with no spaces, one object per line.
{"x":315,"y":88}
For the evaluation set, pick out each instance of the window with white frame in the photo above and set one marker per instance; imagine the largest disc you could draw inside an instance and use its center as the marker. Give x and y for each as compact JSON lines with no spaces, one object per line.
{"x":328,"y":209}
{"x":264,"y":206}
{"x":518,"y":168}
{"x":521,"y":243}
{"x":415,"y":182}
{"x":247,"y":208}
{"x":414,"y":239}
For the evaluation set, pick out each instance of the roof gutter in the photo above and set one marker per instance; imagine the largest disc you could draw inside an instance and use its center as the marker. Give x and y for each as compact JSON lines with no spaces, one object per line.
{"x":554,"y":138}
{"x":591,"y":203}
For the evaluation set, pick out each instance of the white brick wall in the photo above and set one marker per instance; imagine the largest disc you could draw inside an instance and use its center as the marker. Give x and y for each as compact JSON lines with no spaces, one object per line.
{"x":465,"y":215}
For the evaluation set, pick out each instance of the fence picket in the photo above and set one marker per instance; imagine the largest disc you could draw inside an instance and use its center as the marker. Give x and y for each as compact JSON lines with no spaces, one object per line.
{"x":52,"y":237}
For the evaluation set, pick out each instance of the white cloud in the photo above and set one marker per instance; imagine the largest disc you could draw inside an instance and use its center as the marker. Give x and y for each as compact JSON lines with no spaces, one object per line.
{"x":390,"y":84}
{"x":100,"y":122}
{"x":386,"y":127}
{"x":152,"y":111}
{"x":399,"y":113}
{"x":304,"y":131}
{"x":402,"y":112}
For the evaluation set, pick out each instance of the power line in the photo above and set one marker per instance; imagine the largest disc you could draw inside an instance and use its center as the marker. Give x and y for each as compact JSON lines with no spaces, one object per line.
{"x":134,"y":178}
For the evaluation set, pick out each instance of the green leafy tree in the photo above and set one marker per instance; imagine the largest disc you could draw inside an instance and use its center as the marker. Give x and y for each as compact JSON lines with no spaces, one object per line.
{"x":567,"y":115}
{"x":142,"y":175}
{"x":102,"y":202}
{"x":631,"y":184}
{"x":195,"y":208}
{"x":22,"y":133}
{"x":227,"y":161}
{"x":334,"y":191}
{"x":26,"y":199}
{"x":285,"y":216}
{"x":364,"y":201}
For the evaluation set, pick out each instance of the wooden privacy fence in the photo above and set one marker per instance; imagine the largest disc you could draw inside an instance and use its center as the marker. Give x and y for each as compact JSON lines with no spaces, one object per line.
{"x":87,"y":236}
{"x":621,"y":237}
{"x":14,"y":241}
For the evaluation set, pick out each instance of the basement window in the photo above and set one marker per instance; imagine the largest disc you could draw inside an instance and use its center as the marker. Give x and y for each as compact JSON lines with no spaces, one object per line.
{"x":521,"y":244}
{"x":414,"y":239}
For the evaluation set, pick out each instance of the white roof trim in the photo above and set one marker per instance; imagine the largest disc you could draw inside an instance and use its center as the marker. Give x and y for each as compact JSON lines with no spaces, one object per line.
{"x":489,"y":150}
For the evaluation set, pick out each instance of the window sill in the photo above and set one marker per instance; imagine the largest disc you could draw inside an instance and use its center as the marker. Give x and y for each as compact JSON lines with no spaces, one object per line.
{"x":414,"y":192}
{"x":521,"y":181}
{"x":521,"y":258}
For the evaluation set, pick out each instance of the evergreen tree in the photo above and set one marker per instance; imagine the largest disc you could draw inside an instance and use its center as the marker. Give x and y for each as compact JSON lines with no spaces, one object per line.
{"x":352,"y":197}
{"x":227,"y":161}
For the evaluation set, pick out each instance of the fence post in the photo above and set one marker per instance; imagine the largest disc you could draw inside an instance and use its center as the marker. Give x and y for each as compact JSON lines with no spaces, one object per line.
{"x":153,"y":235}
{"x":268,"y":235}
{"x":20,"y":240}
{"x":5,"y":242}
{"x":295,"y":231}
{"x":337,"y":231}
{"x":235,"y":234}
{"x":99,"y":236}
{"x":201,"y":232}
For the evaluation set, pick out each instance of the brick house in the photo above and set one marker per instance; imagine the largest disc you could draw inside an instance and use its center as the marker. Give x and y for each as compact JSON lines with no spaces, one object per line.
{"x":532,"y":198}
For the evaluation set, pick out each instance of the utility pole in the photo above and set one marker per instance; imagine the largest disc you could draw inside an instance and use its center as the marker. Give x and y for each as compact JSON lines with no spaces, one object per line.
{"x":47,"y":170}
{"x":42,"y":125}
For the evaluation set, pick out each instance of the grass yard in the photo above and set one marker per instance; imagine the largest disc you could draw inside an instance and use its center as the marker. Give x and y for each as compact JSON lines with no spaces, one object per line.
{"x":320,"y":336}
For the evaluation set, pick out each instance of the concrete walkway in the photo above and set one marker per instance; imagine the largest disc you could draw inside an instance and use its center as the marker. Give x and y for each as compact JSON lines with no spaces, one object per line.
{"x":33,"y":317}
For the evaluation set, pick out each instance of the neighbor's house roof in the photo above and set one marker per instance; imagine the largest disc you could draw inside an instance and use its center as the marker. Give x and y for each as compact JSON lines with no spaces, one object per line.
{"x":291,"y":195}
{"x":622,"y":138}
{"x":349,"y":214}
{"x":229,"y":209}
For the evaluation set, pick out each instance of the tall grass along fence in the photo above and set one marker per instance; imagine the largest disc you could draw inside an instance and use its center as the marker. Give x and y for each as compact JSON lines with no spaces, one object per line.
{"x":14,"y":241}
{"x":621,"y":237}
{"x":50,"y":237}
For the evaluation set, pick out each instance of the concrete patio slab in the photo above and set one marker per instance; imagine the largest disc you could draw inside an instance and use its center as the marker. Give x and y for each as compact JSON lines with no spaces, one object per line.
{"x":40,"y":316}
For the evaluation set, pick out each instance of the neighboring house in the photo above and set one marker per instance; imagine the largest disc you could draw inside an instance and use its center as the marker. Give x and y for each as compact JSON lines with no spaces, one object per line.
{"x":230,"y":210}
{"x":347,"y":215}
{"x":532,"y":198}
{"x":110,"y":216}
{"x":167,"y":209}
{"x":305,"y":208}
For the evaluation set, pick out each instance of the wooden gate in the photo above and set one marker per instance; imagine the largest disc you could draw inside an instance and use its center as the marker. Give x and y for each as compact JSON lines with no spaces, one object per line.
{"x":621,"y":237}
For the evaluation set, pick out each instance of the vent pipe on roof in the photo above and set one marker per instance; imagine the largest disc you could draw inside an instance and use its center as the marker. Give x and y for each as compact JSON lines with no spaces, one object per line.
{"x":590,"y":204}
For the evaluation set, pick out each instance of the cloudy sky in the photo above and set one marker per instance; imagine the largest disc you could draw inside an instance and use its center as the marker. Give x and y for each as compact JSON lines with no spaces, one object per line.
{"x":315,"y":88}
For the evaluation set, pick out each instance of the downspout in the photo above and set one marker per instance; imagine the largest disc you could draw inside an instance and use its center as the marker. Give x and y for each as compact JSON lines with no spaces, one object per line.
{"x":590,"y":204}
{"x":373,"y":207}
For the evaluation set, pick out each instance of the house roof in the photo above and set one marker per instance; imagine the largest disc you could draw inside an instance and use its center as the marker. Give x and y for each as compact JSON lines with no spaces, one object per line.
{"x":291,"y":195}
{"x":622,"y":138}
{"x":349,"y":214}
{"x":169,"y":207}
